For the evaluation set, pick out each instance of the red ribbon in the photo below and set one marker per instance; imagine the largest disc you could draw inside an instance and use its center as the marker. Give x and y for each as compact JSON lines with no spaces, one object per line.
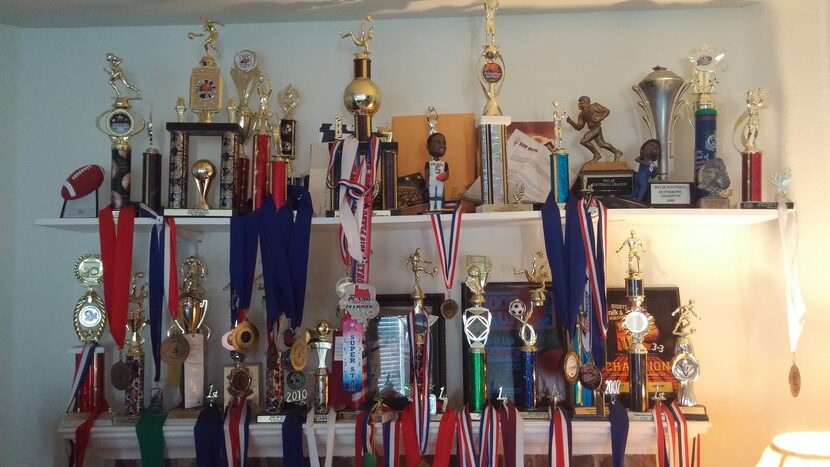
{"x":171,"y":280}
{"x":443,"y":444}
{"x":117,"y":258}
{"x":83,"y":431}
{"x":411,"y":447}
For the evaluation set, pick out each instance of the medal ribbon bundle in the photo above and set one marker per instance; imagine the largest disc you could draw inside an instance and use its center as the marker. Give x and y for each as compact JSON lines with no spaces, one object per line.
{"x":420,"y":391}
{"x":594,"y":247}
{"x":447,"y":251}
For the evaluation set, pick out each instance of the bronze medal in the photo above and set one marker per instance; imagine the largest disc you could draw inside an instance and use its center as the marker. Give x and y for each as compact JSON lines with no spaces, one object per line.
{"x":299,"y":355}
{"x":121,"y":376}
{"x":449,"y":308}
{"x":239,"y":382}
{"x":795,"y":380}
{"x":590,"y":376}
{"x":174,"y":349}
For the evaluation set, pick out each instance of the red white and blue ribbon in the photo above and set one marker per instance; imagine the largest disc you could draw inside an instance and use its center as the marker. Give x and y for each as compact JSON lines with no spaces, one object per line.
{"x":665,"y":441}
{"x":420,"y":361}
{"x":443,"y":443}
{"x":466,"y":449}
{"x":237,"y":421}
{"x":84,"y":363}
{"x":594,"y":246}
{"x":391,"y":429}
{"x":488,"y":437}
{"x":512,"y":434}
{"x":560,"y":438}
{"x":682,"y":430}
{"x":447,"y":251}
{"x":366,"y":431}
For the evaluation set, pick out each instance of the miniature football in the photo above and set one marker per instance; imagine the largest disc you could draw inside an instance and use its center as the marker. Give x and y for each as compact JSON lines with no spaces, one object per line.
{"x":82,"y":182}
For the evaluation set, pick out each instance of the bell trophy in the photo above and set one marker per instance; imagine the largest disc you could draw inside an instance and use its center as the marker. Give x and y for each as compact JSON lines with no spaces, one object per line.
{"x":120,"y":124}
{"x":477,"y":321}
{"x":537,"y":275}
{"x":321,"y":343}
{"x":636,"y":322}
{"x":90,"y":320}
{"x":684,"y":365}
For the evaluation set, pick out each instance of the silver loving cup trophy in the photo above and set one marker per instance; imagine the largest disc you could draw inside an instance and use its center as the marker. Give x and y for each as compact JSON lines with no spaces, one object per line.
{"x":684,"y":365}
{"x":321,"y":343}
{"x":661,"y":98}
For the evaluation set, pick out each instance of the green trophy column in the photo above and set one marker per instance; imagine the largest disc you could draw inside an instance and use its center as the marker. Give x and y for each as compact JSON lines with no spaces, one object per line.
{"x":478,"y":380}
{"x":477,"y":320}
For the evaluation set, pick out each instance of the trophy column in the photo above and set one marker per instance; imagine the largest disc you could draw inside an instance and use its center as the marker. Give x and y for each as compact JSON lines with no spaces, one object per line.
{"x":703,"y":84}
{"x":477,"y":321}
{"x":636,"y":322}
{"x":751,"y":156}
{"x":90,"y":320}
{"x":321,"y":344}
{"x":134,"y":394}
{"x":559,"y":171}
{"x":684,"y":365}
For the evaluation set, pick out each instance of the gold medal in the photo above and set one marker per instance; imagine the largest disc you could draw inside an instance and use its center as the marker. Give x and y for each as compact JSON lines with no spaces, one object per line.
{"x":795,"y":380}
{"x":174,"y":350}
{"x":244,"y":337}
{"x":570,"y":367}
{"x":299,"y":355}
{"x":121,"y":375}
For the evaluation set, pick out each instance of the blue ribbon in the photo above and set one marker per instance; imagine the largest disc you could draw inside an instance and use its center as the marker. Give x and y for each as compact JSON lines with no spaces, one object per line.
{"x":209,"y":437}
{"x":292,"y":438}
{"x":618,"y":417}
{"x":576,"y":275}
{"x":555,"y":248}
{"x":284,"y":242}
{"x":243,"y":249}
{"x":156,"y":304}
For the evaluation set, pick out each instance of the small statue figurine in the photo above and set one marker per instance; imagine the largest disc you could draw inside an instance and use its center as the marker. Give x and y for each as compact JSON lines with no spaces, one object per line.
{"x":755,"y":101}
{"x":649,"y":155}
{"x":416,"y":261}
{"x":437,"y":170}
{"x":364,"y":39}
{"x":559,"y":115}
{"x":136,"y":320}
{"x":490,"y":8}
{"x":713,"y":180}
{"x":592,"y":114}
{"x":181,"y":108}
{"x":684,"y":322}
{"x":210,"y":33}
{"x":117,"y":74}
{"x":635,"y":247}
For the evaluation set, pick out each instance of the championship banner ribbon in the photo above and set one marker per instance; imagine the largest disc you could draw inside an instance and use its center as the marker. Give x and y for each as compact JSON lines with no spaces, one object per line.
{"x":237,"y":420}
{"x":447,"y":252}
{"x":560,"y":438}
{"x":117,"y":257}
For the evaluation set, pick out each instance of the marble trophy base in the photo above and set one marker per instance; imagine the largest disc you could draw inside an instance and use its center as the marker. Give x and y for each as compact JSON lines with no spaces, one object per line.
{"x":713,"y":203}
{"x":196,"y":212}
{"x":607,"y":178}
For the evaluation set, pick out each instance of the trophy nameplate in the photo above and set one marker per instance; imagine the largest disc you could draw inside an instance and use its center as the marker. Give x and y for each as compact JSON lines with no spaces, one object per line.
{"x":606,"y":178}
{"x":670,"y":194}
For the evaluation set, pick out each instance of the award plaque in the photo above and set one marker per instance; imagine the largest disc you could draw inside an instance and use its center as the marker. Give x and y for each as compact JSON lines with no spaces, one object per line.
{"x":670,"y":194}
{"x":120,"y":124}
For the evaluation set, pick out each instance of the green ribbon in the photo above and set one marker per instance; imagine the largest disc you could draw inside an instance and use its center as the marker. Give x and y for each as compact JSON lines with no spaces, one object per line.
{"x":149,"y":431}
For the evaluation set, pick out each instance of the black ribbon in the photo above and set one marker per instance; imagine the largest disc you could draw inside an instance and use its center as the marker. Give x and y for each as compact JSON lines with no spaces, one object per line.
{"x":292,"y":438}
{"x":209,"y":435}
{"x":619,"y":432}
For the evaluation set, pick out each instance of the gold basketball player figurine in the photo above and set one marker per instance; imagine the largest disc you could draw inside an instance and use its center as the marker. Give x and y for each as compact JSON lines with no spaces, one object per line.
{"x":210,"y":33}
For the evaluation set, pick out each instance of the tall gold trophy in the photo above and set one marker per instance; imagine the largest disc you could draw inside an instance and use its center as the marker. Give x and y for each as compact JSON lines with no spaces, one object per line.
{"x":362,"y":96}
{"x":136,"y":321}
{"x":245,"y":75}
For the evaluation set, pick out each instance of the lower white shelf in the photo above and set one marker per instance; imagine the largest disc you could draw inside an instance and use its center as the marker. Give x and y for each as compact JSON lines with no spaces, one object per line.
{"x":589,"y":437}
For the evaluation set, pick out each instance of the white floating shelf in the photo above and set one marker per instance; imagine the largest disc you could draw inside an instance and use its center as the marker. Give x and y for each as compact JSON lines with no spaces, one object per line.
{"x":589,"y":437}
{"x":688,"y":216}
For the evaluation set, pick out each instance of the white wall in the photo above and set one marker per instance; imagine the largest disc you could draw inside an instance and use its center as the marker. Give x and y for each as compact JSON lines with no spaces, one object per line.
{"x":732,"y":272}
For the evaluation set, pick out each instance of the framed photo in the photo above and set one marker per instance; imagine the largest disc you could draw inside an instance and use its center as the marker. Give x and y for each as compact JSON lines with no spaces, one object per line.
{"x":386,"y":337}
{"x":660,"y":302}
{"x":503,"y":362}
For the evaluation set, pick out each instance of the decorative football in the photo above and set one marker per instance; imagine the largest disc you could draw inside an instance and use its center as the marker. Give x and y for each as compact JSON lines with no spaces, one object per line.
{"x":82,"y":182}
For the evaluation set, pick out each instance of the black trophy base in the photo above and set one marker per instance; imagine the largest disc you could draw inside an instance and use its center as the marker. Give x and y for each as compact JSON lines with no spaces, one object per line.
{"x":764,"y":205}
{"x":204,"y":129}
{"x":605,"y":179}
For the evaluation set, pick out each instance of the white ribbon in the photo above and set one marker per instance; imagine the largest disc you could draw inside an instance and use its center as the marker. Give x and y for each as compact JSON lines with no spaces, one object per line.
{"x":796,"y":309}
{"x":331,"y":424}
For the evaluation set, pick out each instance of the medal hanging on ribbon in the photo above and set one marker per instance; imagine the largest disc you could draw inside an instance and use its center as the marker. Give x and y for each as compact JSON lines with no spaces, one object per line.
{"x":447,"y":255}
{"x":117,"y":256}
{"x":594,"y":246}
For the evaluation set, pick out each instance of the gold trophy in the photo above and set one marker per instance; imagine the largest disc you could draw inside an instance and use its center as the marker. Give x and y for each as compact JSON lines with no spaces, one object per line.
{"x":362,"y":96}
{"x":245,"y":75}
{"x":203,"y":171}
{"x":206,"y":79}
{"x":636,"y":322}
{"x":134,"y":394}
{"x":493,"y":149}
{"x":120,"y":124}
{"x":90,"y":322}
{"x":321,"y":342}
{"x":288,"y":98}
{"x":539,"y":276}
